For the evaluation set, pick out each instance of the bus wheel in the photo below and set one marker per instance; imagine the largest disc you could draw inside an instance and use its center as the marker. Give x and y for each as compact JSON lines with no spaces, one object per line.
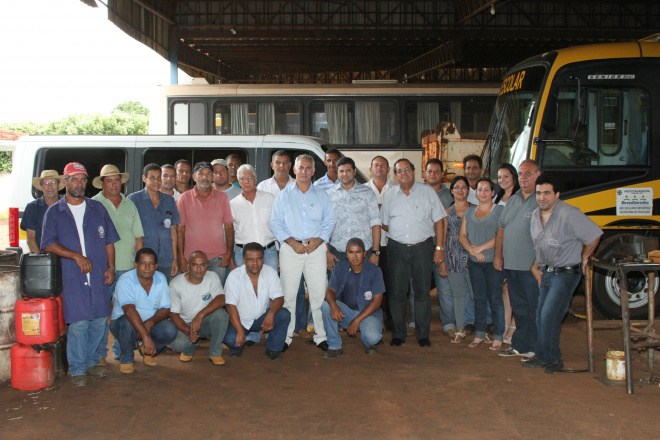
{"x":607,"y":292}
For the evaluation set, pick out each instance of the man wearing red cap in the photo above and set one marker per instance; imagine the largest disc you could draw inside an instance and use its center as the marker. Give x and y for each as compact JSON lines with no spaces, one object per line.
{"x":80,"y":231}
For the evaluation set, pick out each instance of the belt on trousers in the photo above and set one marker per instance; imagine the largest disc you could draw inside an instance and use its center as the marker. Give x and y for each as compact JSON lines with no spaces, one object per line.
{"x":573,"y":269}
{"x":268,"y":246}
{"x":411,"y":245}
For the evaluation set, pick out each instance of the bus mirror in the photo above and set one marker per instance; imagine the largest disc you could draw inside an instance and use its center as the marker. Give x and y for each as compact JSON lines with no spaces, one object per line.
{"x":582,"y":108}
{"x":550,"y":117}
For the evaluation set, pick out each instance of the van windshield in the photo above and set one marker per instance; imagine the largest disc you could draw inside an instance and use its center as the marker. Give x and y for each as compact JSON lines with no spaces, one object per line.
{"x":512,"y":121}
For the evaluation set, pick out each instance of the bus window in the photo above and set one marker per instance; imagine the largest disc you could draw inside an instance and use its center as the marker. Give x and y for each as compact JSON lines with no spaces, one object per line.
{"x":614,"y":132}
{"x":257,"y":118}
{"x":333,"y":121}
{"x":189,"y":118}
{"x":362,"y":122}
{"x":93,"y":159}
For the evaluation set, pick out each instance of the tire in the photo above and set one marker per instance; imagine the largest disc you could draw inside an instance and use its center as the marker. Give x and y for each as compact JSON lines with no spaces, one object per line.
{"x":606,"y":292}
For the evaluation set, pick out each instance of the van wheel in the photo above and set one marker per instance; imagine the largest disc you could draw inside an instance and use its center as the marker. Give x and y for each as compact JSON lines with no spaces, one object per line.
{"x":606,"y":285}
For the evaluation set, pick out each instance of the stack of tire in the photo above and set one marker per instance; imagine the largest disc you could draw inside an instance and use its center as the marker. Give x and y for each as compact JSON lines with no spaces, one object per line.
{"x":40,"y":354}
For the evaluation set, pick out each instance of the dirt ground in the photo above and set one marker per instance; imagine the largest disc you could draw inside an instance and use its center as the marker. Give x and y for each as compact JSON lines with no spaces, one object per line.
{"x":445,"y":391}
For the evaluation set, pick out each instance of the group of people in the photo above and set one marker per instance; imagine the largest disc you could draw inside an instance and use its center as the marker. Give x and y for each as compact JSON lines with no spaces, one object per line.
{"x":228,"y":259}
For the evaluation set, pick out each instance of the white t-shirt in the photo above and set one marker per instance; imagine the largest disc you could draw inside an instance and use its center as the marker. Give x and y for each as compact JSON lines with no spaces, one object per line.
{"x":78,"y":212}
{"x":252,"y":220}
{"x":189,"y":299}
{"x":240,"y":293}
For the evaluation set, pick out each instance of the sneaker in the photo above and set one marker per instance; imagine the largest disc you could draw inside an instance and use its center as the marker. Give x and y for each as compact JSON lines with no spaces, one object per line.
{"x":535,"y":363}
{"x":126,"y":368}
{"x":510,"y":352}
{"x":79,"y":381}
{"x":216,"y":360}
{"x":554,"y":367}
{"x":529,"y":356}
{"x":371,"y":350}
{"x":274,"y":355}
{"x":470,"y":329}
{"x":185,"y":358}
{"x":331,"y":354}
{"x":102,"y":363}
{"x":95,"y":372}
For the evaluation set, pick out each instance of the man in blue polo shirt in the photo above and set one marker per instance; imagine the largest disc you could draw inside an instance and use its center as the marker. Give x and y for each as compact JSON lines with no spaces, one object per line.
{"x":80,"y":231}
{"x":159,"y":217}
{"x":49,"y":183}
{"x":140,"y":311}
{"x":353,"y":300}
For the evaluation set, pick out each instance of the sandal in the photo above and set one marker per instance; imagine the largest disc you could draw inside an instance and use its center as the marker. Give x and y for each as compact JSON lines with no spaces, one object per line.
{"x":506,"y":340}
{"x":496,"y":346}
{"x":477,"y":342}
{"x":458,"y":337}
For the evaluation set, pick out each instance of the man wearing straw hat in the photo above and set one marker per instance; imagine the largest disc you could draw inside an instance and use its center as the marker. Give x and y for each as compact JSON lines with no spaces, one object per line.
{"x":49,"y":183}
{"x":126,"y":218}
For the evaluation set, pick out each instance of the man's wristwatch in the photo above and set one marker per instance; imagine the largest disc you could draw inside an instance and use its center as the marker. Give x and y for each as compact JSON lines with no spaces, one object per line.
{"x":112,"y":267}
{"x":439,"y":248}
{"x":376,"y":253}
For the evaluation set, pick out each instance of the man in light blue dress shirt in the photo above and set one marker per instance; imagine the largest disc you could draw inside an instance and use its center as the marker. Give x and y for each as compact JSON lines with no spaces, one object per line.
{"x":302,"y":221}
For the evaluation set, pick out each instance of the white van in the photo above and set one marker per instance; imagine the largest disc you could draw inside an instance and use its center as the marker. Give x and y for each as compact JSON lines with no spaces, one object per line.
{"x":130,"y":153}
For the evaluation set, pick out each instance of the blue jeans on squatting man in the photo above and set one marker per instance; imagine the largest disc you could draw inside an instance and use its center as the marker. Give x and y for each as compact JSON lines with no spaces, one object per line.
{"x":276,"y":337}
{"x":162,"y":334}
{"x":371,"y":328}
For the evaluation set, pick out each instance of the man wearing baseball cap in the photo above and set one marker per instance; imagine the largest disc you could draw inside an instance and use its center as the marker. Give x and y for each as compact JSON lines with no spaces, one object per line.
{"x":49,"y":183}
{"x":126,"y":218}
{"x":80,"y":231}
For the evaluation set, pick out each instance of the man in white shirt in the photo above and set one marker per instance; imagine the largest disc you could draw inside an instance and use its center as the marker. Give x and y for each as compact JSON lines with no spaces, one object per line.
{"x":197,"y":300}
{"x":281,"y":165}
{"x":249,"y":290}
{"x":380,"y":184}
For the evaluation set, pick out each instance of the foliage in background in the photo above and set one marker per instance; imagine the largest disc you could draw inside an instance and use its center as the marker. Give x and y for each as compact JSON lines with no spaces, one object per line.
{"x":129,"y":117}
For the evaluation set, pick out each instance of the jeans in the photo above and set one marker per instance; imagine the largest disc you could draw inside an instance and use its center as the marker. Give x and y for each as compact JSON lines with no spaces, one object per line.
{"x":162,"y":334}
{"x":408,"y":263}
{"x":276,"y":338}
{"x":103,"y":347}
{"x":271,"y":258}
{"x":221,"y":271}
{"x":460,"y":288}
{"x":555,"y":297}
{"x":82,"y":346}
{"x":524,"y":299}
{"x":487,"y":287}
{"x":213,"y":325}
{"x":371,"y":328}
{"x":469,"y":305}
{"x":446,"y":301}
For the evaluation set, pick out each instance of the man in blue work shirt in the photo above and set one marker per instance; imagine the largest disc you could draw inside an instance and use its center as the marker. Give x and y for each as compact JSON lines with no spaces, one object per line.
{"x":80,"y":231}
{"x":353,"y":300}
{"x":159,"y":218}
{"x":302,"y":221}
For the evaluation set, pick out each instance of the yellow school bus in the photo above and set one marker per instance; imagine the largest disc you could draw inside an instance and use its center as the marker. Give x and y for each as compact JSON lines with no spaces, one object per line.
{"x":586,"y":114}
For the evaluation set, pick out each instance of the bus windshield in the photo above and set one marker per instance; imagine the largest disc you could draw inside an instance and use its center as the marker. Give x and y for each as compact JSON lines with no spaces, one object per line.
{"x":511,"y":124}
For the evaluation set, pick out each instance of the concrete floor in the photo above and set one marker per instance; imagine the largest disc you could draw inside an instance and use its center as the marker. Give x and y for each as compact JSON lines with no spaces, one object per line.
{"x":447,"y":391}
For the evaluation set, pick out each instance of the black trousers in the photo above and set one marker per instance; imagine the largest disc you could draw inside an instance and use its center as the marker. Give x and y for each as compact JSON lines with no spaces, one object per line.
{"x":408,"y":263}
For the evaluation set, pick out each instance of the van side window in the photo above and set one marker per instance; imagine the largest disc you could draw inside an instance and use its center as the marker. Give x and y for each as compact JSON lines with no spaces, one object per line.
{"x":92,"y":159}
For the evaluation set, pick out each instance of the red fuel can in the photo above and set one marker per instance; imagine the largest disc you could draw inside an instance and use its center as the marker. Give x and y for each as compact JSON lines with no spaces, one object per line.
{"x":60,"y":315}
{"x":31,"y":369}
{"x":37,"y":321}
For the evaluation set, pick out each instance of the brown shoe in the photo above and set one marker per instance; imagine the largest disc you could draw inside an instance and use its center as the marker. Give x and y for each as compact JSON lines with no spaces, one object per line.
{"x":216,"y":360}
{"x":102,"y":363}
{"x":304,"y":334}
{"x":149,"y":361}
{"x":126,"y":368}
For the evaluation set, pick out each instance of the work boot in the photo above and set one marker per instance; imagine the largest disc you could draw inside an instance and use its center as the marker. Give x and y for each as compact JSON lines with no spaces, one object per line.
{"x":78,"y":381}
{"x":95,"y":372}
{"x":126,"y":368}
{"x":216,"y":360}
{"x":185,"y":358}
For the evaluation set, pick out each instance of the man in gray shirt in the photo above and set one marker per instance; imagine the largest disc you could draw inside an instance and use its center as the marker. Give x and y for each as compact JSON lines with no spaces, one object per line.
{"x":564,"y":239}
{"x":221,"y":179}
{"x":514,"y":252}
{"x":434,"y":175}
{"x":412,"y":215}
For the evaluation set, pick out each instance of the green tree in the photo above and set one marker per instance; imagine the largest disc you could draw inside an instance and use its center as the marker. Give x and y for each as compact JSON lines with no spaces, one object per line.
{"x":129,"y":117}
